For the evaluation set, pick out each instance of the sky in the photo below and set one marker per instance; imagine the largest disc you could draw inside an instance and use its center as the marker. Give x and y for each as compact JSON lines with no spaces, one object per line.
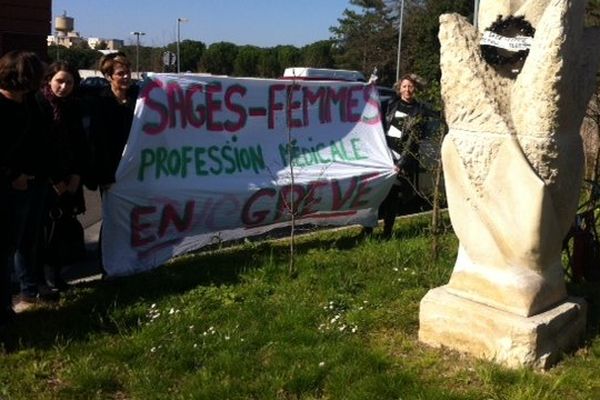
{"x":263,"y":23}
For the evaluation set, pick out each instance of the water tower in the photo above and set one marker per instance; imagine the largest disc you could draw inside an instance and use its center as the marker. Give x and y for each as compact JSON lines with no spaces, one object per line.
{"x":63,"y":25}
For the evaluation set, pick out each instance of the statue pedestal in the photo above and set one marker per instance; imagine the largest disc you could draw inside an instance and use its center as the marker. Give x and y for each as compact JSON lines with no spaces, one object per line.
{"x":509,"y":339}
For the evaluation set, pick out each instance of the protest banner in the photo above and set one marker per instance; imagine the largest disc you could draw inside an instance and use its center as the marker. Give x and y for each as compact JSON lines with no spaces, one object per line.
{"x":215,"y":158}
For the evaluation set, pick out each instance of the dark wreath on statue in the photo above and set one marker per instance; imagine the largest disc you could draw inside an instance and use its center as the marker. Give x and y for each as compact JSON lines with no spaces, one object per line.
{"x":509,"y":27}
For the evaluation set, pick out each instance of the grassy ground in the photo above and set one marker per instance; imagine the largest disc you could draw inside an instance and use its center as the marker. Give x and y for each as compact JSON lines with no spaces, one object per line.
{"x":234,"y":325}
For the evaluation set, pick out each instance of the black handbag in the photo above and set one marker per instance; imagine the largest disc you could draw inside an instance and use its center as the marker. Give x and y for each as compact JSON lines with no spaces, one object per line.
{"x":65,"y":243}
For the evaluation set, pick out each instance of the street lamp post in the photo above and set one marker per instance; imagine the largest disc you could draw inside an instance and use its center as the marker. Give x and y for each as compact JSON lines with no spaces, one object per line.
{"x":476,"y":13}
{"x":137,"y":52}
{"x":399,"y":39}
{"x":179,"y":21}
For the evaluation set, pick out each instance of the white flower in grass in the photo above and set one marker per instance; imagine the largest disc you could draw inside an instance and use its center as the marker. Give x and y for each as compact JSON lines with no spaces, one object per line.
{"x":195,"y":345}
{"x":171,"y":311}
{"x":354,"y":329}
{"x":153,"y":305}
{"x":227,"y":337}
{"x":395,"y":269}
{"x":322,"y":364}
{"x":153,"y":349}
{"x":342,"y":328}
{"x":191,"y":327}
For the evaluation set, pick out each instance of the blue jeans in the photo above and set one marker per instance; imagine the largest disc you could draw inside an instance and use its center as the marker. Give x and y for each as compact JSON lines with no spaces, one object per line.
{"x":28,"y":213}
{"x":5,"y":246}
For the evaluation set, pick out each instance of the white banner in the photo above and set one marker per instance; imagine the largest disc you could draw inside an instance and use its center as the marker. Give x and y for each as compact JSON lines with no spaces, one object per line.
{"x":514,"y":44}
{"x":208,"y":160}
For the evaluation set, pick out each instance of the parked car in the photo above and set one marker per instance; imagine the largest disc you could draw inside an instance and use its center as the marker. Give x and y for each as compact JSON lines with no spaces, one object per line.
{"x":92,"y":84}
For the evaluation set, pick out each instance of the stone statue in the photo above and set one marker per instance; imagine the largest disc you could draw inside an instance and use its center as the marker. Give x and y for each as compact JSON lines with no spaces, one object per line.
{"x":513,"y":158}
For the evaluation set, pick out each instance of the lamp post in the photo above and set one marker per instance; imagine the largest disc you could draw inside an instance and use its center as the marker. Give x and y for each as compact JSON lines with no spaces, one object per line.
{"x":475,"y":13}
{"x":179,"y":21}
{"x":137,"y":52}
{"x":399,"y":39}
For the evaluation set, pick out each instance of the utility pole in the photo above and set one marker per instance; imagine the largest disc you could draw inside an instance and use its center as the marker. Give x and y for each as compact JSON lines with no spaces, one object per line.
{"x":137,"y":52}
{"x":179,"y":21}
{"x":399,"y":39}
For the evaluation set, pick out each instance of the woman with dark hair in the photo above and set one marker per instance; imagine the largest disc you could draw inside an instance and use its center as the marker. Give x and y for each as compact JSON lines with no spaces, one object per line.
{"x":68,"y":154}
{"x":21,"y":191}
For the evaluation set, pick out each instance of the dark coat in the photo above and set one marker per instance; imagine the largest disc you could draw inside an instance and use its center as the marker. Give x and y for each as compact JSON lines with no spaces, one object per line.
{"x":411,"y":126}
{"x":67,"y":149}
{"x":18,"y":147}
{"x":110,"y":123}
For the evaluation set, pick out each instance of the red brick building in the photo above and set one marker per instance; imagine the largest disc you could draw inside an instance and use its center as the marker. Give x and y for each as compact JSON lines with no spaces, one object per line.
{"x":25,"y":25}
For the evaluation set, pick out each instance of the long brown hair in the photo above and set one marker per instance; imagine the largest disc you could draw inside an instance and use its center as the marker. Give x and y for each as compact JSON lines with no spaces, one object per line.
{"x":20,"y":71}
{"x":65,"y":66}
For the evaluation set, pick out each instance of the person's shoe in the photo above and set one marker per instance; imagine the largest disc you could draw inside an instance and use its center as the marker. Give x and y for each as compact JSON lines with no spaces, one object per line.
{"x":48,"y":294}
{"x":366,"y":232}
{"x":24,"y":303}
{"x":60,"y":285}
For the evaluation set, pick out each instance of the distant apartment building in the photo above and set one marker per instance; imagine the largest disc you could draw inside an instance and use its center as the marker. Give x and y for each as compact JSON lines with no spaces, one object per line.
{"x":66,"y":36}
{"x":24,"y":25}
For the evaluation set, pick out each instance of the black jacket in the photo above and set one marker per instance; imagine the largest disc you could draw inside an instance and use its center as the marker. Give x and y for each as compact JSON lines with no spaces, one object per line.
{"x":67,"y":151}
{"x":407,"y":121}
{"x":110,"y":123}
{"x":20,"y":143}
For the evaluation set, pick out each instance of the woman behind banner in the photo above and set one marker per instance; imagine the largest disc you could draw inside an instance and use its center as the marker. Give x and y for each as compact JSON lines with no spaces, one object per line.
{"x":404,"y":127}
{"x":110,"y":121}
{"x":111,"y":118}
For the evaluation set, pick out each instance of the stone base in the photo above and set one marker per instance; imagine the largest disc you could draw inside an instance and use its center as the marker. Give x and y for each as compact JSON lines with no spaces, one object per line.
{"x":509,"y":339}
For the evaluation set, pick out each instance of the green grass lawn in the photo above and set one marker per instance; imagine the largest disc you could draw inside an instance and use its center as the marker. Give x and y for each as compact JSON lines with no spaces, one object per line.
{"x":233,"y":324}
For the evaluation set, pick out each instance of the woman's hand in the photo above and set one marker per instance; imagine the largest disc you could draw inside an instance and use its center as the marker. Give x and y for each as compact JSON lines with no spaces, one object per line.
{"x":59,"y":188}
{"x":20,"y":183}
{"x":73,"y":183}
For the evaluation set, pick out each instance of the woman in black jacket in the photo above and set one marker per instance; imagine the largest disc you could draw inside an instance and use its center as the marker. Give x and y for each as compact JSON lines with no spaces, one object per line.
{"x":20,"y":74}
{"x":111,"y":118}
{"x":66,"y":155}
{"x":404,"y":126}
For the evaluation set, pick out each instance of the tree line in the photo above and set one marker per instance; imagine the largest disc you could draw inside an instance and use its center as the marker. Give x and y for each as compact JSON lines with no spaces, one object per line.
{"x":364,"y":38}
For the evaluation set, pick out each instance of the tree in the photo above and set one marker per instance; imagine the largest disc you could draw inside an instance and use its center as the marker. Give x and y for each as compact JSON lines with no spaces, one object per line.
{"x":191,"y":52}
{"x":420,"y":45}
{"x":268,"y":64}
{"x":287,"y":56}
{"x":79,"y":58}
{"x":219,"y":58}
{"x":367,"y":38}
{"x":246,"y":61}
{"x":318,"y":54}
{"x":593,"y":13}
